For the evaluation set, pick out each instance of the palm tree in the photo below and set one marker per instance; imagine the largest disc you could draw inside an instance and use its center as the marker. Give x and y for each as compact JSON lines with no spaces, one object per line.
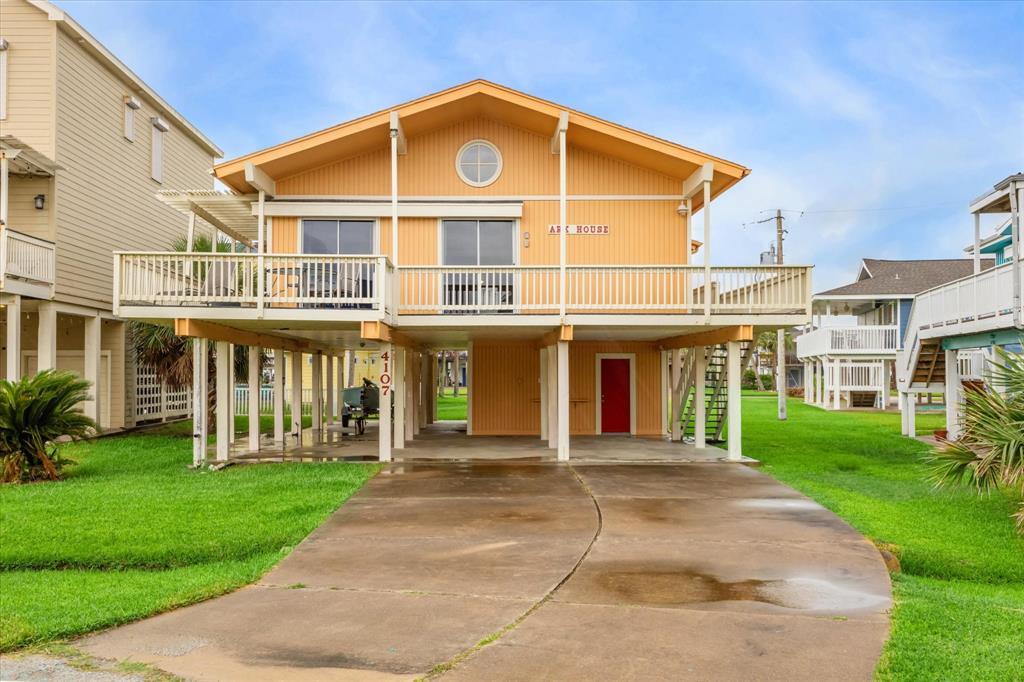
{"x":989,"y":453}
{"x":35,"y":412}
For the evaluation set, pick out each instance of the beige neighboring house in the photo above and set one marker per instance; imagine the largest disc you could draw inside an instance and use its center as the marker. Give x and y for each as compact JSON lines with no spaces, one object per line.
{"x":85,"y":145}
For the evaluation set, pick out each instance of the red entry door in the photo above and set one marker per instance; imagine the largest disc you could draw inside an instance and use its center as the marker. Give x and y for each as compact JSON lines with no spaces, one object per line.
{"x":615,"y":412}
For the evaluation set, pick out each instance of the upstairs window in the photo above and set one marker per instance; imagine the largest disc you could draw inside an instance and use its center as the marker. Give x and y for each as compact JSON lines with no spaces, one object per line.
{"x":131,"y":105}
{"x":156,"y":170}
{"x":478,"y":163}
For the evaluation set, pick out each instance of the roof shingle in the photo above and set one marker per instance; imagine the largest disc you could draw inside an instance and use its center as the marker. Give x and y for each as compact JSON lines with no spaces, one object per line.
{"x":905,"y":277}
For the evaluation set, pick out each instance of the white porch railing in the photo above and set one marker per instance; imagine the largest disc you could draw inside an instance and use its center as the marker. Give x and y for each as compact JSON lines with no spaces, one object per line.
{"x":973,"y":299}
{"x":26,"y":258}
{"x":608,"y":289}
{"x":237,"y":279}
{"x":860,"y":376}
{"x":972,"y":364}
{"x":851,"y":340}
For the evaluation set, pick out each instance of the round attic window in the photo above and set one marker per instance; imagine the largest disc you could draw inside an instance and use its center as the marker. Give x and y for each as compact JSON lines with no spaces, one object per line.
{"x":478,"y":163}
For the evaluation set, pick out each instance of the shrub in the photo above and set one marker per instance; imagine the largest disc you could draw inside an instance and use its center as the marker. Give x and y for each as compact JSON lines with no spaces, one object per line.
{"x":34,"y":413}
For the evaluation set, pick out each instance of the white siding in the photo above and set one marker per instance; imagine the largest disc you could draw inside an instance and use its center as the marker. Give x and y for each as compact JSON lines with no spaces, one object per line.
{"x":30,"y":76}
{"x":105,"y":194}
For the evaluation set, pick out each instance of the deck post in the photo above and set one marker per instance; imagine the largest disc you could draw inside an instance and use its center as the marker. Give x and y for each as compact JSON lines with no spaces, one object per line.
{"x":837,"y":384}
{"x":384,"y":430}
{"x":296,"y":425}
{"x":279,"y":396}
{"x":457,"y":370}
{"x":700,"y":409}
{"x":318,"y":395}
{"x":340,"y":387}
{"x":224,"y":391}
{"x":912,"y":415}
{"x":543,"y":379}
{"x":200,"y":401}
{"x":46,"y":355}
{"x":422,"y":390}
{"x":255,"y":375}
{"x":807,"y":382}
{"x":13,"y":338}
{"x":330,"y":388}
{"x":563,"y":401}
{"x":552,"y":397}
{"x":93,"y":363}
{"x":410,"y":395}
{"x":954,"y":391}
{"x":677,"y":408}
{"x":734,"y":401}
{"x":399,"y":391}
{"x":231,"y":392}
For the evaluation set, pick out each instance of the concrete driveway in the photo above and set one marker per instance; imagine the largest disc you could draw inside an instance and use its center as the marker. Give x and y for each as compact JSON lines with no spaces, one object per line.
{"x":514,"y":571}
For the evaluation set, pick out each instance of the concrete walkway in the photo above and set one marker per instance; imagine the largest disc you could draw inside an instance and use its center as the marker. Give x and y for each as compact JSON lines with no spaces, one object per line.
{"x":633,"y":572}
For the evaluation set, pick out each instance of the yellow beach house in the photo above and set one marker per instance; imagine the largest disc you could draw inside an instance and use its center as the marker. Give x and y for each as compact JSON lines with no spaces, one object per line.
{"x":553,"y":246}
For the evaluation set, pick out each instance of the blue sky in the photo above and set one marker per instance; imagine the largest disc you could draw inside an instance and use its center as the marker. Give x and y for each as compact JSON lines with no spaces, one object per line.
{"x":879,"y":122}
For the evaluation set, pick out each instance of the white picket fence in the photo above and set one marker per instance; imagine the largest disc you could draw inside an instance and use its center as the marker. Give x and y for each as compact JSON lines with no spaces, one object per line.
{"x":267,"y":400}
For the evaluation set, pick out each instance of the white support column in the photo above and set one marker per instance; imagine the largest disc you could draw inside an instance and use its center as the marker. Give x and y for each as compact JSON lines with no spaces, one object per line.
{"x":822,"y":383}
{"x":707,"y":248}
{"x":543,"y":353}
{"x":837,"y":384}
{"x":296,"y":425}
{"x":422,"y":392}
{"x":954,"y":395}
{"x":200,"y":401}
{"x":735,"y":406}
{"x":340,"y":388}
{"x":386,"y":391}
{"x":190,"y":239}
{"x":254,"y":397}
{"x":808,"y":382}
{"x":676,"y":369}
{"x":347,"y":381}
{"x":552,"y":397}
{"x":14,"y":338}
{"x":666,"y":402}
{"x":977,"y":244}
{"x":330,"y":388}
{"x":410,"y":395}
{"x":279,"y":396}
{"x":912,"y":415}
{"x":47,"y":341}
{"x":399,"y":391}
{"x":563,"y":401}
{"x":231,"y":391}
{"x":223,"y":405}
{"x":457,"y":370}
{"x":318,"y":395}
{"x":780,"y":372}
{"x":700,"y":406}
{"x":91,"y":366}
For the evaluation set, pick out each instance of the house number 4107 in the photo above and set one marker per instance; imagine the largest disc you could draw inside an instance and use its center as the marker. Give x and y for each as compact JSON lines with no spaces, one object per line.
{"x":385,"y":374}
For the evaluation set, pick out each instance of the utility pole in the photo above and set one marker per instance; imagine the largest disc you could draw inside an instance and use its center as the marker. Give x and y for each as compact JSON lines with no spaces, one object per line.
{"x":780,"y":340}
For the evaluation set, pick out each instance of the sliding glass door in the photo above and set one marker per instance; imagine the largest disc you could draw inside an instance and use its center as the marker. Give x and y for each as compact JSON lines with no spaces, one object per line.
{"x":488,"y":248}
{"x":338,"y":279}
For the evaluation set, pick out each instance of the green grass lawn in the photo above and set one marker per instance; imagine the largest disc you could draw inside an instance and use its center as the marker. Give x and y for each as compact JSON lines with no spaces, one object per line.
{"x":451,"y":407}
{"x":959,"y":611}
{"x":133,"y":531}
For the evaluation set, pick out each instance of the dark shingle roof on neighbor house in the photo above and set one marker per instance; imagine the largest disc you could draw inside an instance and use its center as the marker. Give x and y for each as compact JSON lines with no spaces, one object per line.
{"x":905,"y":277}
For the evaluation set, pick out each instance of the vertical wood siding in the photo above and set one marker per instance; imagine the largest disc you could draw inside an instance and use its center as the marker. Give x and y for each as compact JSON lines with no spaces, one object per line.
{"x":506,"y":388}
{"x":30,"y":74}
{"x":105,"y":196}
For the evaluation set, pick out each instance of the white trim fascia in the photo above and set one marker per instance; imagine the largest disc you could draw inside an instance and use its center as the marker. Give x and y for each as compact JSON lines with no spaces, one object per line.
{"x":107,"y":58}
{"x":982,"y":202}
{"x":867,"y":298}
{"x":598,"y":357}
{"x":371,"y":210}
{"x":695,"y":182}
{"x":372,"y":198}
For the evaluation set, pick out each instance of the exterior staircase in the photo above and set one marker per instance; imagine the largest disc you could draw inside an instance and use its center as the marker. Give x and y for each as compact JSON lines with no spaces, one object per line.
{"x":930,"y":365}
{"x":715,"y":394}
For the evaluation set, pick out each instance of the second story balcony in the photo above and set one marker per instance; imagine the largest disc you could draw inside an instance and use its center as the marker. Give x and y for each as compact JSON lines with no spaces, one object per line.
{"x":370,"y":287}
{"x":27,"y":265}
{"x":855,"y":340}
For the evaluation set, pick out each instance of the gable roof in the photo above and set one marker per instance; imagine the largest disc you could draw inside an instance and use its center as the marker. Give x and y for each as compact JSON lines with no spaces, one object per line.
{"x":904,"y":278}
{"x":479,"y":98}
{"x":94,"y":47}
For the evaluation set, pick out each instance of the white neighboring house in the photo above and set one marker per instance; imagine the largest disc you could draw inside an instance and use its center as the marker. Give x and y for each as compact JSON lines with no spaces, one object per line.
{"x":858,"y":329}
{"x":972,"y":314}
{"x":85,"y":145}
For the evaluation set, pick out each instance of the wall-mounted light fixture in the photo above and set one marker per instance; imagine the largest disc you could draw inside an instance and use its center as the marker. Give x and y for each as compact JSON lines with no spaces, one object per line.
{"x":39,"y":201}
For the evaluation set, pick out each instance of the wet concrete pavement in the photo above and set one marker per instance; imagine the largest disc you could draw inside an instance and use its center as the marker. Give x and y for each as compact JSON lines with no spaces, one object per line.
{"x":694,"y":571}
